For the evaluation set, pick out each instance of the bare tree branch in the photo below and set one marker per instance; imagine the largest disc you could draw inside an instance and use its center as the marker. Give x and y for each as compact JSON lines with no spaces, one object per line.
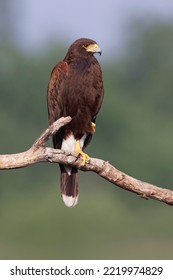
{"x":40,"y":153}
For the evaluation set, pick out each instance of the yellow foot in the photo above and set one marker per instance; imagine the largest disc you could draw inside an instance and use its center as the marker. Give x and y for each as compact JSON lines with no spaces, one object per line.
{"x":93,"y":126}
{"x":78,"y":150}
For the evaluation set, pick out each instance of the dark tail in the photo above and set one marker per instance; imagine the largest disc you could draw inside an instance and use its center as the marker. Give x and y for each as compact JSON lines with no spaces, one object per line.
{"x":69,"y":186}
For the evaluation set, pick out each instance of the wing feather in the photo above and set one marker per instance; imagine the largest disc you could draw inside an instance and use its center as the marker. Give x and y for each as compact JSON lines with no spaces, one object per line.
{"x":55,"y":98}
{"x":55,"y":91}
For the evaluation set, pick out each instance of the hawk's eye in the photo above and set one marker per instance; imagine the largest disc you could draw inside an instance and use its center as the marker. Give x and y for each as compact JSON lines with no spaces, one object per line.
{"x":85,"y":46}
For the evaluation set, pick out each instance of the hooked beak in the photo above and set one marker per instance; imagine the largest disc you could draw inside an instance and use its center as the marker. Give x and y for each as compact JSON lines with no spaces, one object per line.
{"x":98,"y":50}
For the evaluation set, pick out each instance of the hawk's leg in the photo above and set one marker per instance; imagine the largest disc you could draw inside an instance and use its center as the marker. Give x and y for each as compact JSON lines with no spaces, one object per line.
{"x":93,"y":127}
{"x":79,"y":151}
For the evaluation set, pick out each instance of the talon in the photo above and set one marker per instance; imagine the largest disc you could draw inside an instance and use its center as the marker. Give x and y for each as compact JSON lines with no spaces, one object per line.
{"x":93,"y":126}
{"x":85,"y":158}
{"x":78,"y":150}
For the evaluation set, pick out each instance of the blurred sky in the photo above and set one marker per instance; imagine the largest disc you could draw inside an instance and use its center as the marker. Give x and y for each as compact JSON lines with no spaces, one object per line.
{"x":39,"y":23}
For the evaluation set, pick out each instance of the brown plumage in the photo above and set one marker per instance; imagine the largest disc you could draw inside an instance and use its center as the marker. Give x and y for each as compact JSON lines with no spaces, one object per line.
{"x":75,"y":89}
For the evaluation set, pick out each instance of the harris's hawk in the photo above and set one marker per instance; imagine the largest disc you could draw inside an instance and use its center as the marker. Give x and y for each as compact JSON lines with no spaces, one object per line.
{"x":75,"y":89}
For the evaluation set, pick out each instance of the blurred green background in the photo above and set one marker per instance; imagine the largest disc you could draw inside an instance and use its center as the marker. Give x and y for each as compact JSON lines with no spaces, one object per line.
{"x":134,"y":133}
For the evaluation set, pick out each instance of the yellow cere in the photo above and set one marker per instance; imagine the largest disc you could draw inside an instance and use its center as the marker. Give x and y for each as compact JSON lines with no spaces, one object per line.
{"x":92,"y":48}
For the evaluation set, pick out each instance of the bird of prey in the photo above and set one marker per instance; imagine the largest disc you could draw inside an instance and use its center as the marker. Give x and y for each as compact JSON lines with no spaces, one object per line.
{"x":75,"y":89}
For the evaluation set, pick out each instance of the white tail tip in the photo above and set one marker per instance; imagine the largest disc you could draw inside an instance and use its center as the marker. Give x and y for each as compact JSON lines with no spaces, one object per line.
{"x":70,"y":201}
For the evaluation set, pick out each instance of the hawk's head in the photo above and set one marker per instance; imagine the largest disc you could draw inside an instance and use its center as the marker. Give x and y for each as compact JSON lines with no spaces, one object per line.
{"x":84,"y":47}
